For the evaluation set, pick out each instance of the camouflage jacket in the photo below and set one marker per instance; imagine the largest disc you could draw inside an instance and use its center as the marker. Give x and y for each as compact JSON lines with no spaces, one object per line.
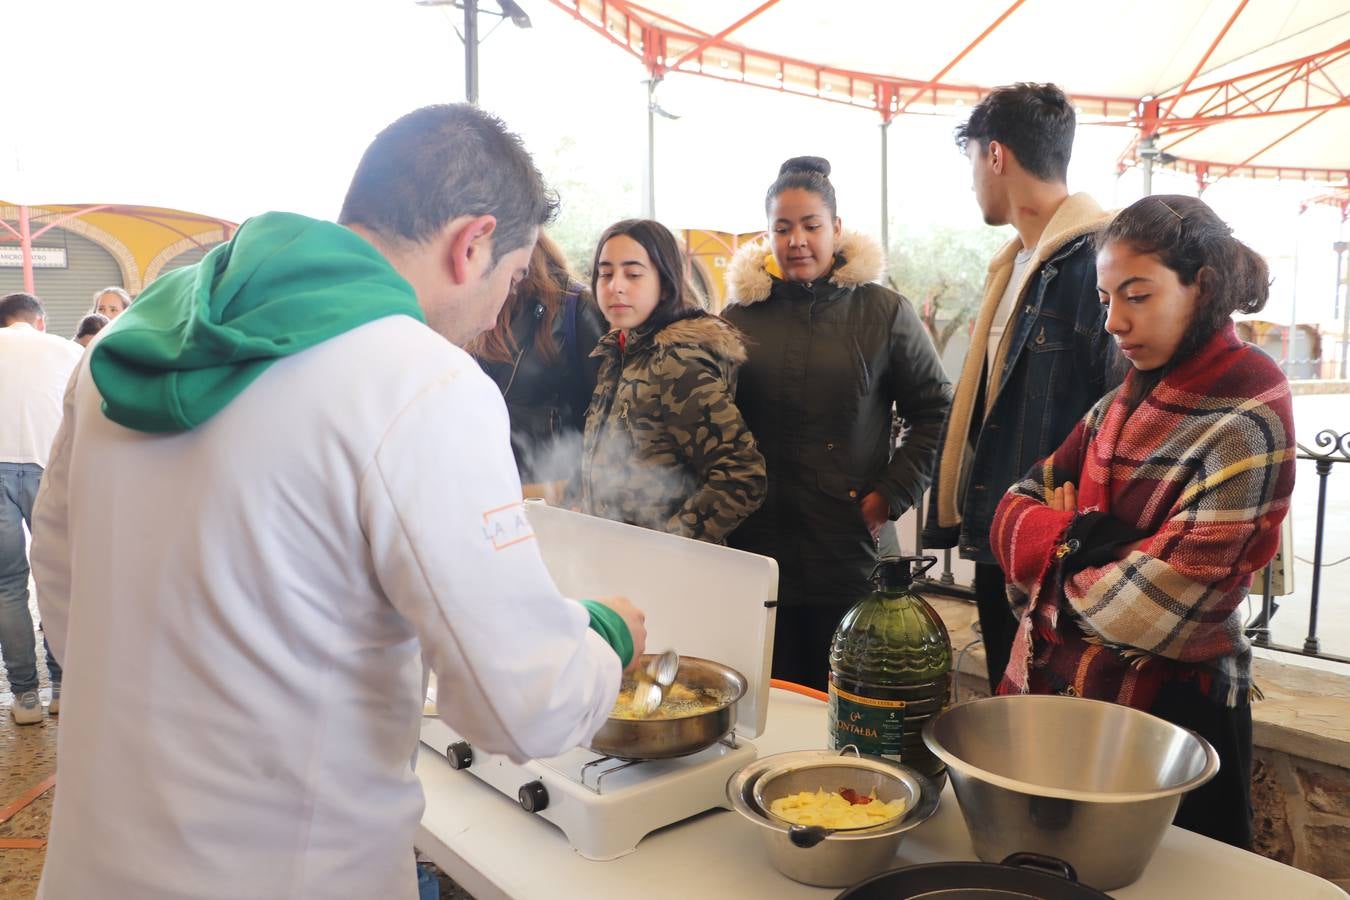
{"x":665,"y":446}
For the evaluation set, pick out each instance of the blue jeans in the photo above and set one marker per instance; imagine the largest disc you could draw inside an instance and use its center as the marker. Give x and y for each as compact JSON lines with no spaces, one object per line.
{"x":18,"y":488}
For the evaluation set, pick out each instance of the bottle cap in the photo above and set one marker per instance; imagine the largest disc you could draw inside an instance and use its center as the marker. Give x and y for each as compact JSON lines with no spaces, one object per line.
{"x":893,"y":572}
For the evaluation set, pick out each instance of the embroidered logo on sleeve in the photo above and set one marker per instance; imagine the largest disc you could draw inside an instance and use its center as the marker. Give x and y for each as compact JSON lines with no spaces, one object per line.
{"x":507,"y":526}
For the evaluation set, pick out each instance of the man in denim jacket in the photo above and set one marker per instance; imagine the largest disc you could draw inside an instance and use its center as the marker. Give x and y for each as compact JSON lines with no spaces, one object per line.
{"x":1039,"y":356}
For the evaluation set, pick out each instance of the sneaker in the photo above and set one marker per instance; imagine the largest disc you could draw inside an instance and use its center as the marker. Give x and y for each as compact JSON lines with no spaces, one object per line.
{"x":54,"y":708}
{"x":27,"y":708}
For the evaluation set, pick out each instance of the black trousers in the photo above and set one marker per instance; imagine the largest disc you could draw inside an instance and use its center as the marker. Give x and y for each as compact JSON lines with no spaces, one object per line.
{"x":802,"y":637}
{"x":998,"y":625}
{"x":1221,"y":809}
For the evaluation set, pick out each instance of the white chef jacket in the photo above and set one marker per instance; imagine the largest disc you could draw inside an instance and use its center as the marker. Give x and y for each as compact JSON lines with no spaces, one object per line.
{"x":241,"y":611}
{"x":34,"y":369}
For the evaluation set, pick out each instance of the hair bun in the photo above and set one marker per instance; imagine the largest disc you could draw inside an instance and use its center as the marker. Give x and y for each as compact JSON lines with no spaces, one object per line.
{"x":806,"y":164}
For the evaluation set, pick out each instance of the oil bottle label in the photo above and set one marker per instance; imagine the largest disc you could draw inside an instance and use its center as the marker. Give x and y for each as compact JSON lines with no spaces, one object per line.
{"x":873,"y":726}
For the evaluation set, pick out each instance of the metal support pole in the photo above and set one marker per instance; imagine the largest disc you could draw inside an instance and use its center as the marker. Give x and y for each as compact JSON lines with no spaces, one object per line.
{"x":649,"y":175}
{"x":1340,"y":247}
{"x":471,"y":51}
{"x":1310,"y":643}
{"x":26,"y":248}
{"x":1148,"y":150}
{"x":885,"y":192}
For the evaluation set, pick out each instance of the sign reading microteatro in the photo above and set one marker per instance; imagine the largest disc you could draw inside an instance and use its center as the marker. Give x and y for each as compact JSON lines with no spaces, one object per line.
{"x":43,"y":258}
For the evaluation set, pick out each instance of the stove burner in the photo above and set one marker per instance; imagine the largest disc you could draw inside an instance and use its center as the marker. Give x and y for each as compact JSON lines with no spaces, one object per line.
{"x":728,"y":740}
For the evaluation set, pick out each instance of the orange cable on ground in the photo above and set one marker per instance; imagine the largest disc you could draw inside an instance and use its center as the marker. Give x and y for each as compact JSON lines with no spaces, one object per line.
{"x":802,"y":689}
{"x":27,"y":797}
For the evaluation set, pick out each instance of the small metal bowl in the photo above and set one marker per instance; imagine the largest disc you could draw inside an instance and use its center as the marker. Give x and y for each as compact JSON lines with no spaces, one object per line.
{"x":787,"y":780}
{"x":840,"y":857}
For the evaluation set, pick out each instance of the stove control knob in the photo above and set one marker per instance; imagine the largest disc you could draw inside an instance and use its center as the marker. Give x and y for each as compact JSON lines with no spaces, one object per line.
{"x":460,"y":755}
{"x":533,"y":796}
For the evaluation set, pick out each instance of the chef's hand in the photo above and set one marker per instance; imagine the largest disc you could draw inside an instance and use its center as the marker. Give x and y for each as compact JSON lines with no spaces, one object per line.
{"x":636,"y":620}
{"x":1065,"y":498}
{"x":876,"y":509}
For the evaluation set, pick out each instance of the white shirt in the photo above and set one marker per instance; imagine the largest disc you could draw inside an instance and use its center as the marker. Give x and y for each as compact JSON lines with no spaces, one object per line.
{"x":1006,"y":304}
{"x":243,"y":626}
{"x":34,"y":369}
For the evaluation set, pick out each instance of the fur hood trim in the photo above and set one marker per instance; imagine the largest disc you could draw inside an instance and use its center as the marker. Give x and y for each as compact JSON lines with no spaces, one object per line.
{"x":712,"y":333}
{"x":749,"y":279}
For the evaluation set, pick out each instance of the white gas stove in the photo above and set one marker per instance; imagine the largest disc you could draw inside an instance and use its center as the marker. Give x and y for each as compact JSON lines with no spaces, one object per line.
{"x":702,"y":600}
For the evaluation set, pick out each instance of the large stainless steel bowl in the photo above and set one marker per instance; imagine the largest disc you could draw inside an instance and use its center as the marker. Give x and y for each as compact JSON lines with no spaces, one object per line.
{"x":838,"y":858}
{"x":1094,"y":784}
{"x":666,"y":738}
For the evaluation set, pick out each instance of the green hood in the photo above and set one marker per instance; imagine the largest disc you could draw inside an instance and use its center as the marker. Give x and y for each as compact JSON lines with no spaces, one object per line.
{"x":199,"y":335}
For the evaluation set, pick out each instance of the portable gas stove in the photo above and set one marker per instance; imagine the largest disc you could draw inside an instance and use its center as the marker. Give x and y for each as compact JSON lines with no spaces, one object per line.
{"x":699,"y":598}
{"x":604,"y":805}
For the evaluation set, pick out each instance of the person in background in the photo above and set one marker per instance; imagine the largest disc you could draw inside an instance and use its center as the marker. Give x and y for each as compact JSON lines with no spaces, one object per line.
{"x":831,"y":355}
{"x":539,"y":354}
{"x":1038,"y":356}
{"x":666,"y":447}
{"x":1130,"y":549}
{"x":111,"y":302}
{"x":314,"y":500}
{"x":34,"y":370}
{"x":89,"y":326}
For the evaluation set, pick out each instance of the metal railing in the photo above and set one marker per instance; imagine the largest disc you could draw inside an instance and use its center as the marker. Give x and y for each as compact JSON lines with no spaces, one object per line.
{"x":1335,"y":448}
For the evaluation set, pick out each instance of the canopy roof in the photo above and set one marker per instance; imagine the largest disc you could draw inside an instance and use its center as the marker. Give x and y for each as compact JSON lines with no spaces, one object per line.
{"x":1222,"y":87}
{"x":141,"y":238}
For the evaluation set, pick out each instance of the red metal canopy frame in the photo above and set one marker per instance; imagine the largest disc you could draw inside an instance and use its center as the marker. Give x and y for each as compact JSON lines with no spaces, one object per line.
{"x":25,"y":236}
{"x":665,"y":44}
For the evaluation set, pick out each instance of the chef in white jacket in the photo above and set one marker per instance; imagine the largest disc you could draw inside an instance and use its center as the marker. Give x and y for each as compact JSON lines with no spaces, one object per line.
{"x":277,"y":486}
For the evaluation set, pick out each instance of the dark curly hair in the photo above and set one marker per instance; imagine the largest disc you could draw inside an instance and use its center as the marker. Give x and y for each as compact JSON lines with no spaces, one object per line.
{"x":1190,"y":239}
{"x":1035,"y":121}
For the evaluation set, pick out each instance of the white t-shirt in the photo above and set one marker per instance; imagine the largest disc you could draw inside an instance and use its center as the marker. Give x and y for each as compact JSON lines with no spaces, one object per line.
{"x":34,"y":369}
{"x":1006,"y":305}
{"x":242,"y":611}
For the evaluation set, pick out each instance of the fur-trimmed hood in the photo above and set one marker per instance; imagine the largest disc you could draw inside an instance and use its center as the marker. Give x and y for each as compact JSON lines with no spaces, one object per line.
{"x":713,"y":333}
{"x":710,"y":333}
{"x":749,"y":280}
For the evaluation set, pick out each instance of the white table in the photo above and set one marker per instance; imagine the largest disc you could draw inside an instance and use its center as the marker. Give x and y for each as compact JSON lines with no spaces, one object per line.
{"x":489,"y":845}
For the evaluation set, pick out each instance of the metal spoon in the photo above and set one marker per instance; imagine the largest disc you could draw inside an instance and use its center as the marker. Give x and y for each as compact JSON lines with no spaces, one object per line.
{"x":653,"y":680}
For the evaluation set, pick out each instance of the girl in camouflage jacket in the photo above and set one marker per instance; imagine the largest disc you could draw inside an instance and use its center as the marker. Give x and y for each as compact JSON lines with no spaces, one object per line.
{"x":665,"y":446}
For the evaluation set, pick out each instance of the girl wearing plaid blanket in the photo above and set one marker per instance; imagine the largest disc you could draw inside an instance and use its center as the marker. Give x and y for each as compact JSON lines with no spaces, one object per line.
{"x":1129,"y":551}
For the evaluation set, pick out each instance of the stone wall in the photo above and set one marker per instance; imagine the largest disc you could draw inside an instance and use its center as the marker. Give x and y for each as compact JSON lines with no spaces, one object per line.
{"x":1302,"y":814}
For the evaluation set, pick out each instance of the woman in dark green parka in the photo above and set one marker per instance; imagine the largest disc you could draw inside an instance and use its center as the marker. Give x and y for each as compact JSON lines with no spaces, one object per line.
{"x":831,"y":354}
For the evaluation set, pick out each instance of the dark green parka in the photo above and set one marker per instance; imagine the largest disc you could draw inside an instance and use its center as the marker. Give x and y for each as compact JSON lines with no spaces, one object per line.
{"x":827,"y":362}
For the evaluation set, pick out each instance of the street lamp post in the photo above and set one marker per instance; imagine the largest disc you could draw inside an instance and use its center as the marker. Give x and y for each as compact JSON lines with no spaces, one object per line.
{"x":509,"y":10}
{"x":1344,"y":302}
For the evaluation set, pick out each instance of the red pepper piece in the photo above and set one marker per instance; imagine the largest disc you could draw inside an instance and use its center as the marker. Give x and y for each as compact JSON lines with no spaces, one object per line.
{"x":854,"y":797}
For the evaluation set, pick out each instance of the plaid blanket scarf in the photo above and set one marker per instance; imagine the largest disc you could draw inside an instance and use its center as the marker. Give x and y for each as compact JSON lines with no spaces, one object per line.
{"x":1202,"y":470}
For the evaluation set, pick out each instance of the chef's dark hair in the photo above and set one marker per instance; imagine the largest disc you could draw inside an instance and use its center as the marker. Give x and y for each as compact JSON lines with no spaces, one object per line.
{"x":678,"y":299}
{"x":810,"y":173}
{"x":441,"y":162}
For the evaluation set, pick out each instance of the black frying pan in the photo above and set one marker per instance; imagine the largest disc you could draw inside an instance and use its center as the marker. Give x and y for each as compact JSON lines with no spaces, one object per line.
{"x":1026,"y":876}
